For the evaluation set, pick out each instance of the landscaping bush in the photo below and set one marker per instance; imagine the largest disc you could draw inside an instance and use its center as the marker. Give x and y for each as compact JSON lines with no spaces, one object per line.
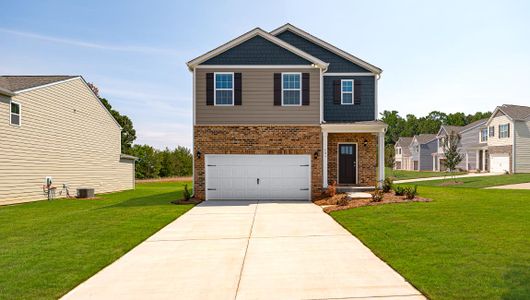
{"x":399,"y":190}
{"x":411,"y":192}
{"x":377,"y":195}
{"x":387,"y":184}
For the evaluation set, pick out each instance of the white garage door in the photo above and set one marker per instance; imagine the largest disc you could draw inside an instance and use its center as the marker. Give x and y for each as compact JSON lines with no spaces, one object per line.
{"x":251,"y":177}
{"x":499,"y":163}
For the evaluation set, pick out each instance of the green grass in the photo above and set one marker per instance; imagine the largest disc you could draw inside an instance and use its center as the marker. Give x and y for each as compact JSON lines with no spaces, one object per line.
{"x":47,"y":248}
{"x":403,"y":174}
{"x":466,"y":244}
{"x":479,"y":182}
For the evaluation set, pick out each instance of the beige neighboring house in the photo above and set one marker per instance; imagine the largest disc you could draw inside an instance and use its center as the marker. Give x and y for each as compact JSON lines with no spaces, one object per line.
{"x":509,"y":139}
{"x":56,"y":126}
{"x":403,"y":157}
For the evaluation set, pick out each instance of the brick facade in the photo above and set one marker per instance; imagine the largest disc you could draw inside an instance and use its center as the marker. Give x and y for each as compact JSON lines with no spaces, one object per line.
{"x":257,"y":139}
{"x":367,"y":156}
{"x":500,"y":150}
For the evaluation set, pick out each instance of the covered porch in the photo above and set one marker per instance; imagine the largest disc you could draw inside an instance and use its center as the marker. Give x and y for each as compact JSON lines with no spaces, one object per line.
{"x":353,"y":154}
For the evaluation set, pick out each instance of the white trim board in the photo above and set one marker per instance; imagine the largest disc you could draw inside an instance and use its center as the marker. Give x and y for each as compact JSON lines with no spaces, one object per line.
{"x":327,"y":46}
{"x":246,"y":36}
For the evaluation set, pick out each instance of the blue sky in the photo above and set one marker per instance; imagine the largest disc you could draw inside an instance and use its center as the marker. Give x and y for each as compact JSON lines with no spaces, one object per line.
{"x":445,"y":55}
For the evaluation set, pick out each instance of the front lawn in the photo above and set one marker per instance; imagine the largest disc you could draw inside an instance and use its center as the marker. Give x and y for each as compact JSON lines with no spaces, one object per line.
{"x":403,"y":174}
{"x":47,"y":248}
{"x":478,"y":182}
{"x":466,"y":244}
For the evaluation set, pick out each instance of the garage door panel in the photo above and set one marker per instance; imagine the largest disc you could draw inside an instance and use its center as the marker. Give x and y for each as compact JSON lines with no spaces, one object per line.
{"x":235,"y":177}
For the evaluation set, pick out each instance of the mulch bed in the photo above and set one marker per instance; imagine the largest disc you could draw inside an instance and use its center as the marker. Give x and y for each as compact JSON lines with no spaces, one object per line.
{"x":342,"y":201}
{"x":183,"y":201}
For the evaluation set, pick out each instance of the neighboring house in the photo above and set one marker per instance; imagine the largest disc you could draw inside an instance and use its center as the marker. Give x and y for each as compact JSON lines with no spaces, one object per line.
{"x":509,"y":139}
{"x":421,"y":148}
{"x":472,"y":145}
{"x":280,"y":115}
{"x":402,"y":154}
{"x":55,"y":126}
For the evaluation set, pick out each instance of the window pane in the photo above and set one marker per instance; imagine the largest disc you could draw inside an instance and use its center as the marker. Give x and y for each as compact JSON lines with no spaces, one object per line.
{"x":291,"y":97}
{"x":15,"y":119}
{"x":223,"y":81}
{"x":223,"y":97}
{"x":15,"y":108}
{"x":291,"y":81}
{"x":347,"y":98}
{"x":347,"y":86}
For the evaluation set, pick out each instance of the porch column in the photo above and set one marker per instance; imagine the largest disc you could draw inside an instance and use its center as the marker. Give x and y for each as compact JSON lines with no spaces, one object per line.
{"x":381,"y":160}
{"x":325,"y":159}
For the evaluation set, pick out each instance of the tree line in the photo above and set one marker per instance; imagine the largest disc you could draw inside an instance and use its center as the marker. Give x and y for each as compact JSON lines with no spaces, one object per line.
{"x":151,"y":162}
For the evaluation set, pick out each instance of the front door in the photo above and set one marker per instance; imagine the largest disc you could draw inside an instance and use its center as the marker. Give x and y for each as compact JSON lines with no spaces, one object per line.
{"x":347,"y":163}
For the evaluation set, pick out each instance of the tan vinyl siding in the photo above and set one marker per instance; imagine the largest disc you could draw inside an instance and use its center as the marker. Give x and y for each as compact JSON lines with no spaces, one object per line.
{"x":522,"y":147}
{"x":495,"y":140}
{"x":257,"y":100}
{"x":66,"y":133}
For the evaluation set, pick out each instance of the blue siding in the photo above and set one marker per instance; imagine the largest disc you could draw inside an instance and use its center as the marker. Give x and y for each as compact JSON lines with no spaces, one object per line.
{"x":350,"y":113}
{"x":336,"y":63}
{"x":257,"y":51}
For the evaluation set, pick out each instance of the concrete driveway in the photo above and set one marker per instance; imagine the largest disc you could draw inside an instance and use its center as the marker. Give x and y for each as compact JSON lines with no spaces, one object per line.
{"x":249,"y":250}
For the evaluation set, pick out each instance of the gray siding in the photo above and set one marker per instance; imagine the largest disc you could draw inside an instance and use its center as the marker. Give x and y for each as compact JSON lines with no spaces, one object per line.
{"x":257,"y":51}
{"x":257,"y":100}
{"x":350,"y":113}
{"x":336,"y":62}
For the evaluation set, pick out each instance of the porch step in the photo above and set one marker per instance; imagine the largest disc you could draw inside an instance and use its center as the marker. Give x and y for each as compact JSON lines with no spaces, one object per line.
{"x":353,"y":189}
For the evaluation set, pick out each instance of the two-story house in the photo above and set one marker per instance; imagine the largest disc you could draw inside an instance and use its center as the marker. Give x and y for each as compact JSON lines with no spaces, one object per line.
{"x":402,"y":154}
{"x":55,"y":128}
{"x":282,"y":114}
{"x":421,"y":148}
{"x":508,"y":139}
{"x":472,"y":146}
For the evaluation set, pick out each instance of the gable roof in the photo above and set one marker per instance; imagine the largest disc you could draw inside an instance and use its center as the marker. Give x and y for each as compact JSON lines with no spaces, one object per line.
{"x":255,"y":32}
{"x":424,"y":138}
{"x":327,"y":46}
{"x":20,"y":83}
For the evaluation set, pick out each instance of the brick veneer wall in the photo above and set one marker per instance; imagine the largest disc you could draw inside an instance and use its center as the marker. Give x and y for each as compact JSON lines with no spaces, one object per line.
{"x":367,"y":156}
{"x":500,"y":150}
{"x":257,"y":139}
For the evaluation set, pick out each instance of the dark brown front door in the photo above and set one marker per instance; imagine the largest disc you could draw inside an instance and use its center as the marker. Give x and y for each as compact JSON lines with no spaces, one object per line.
{"x":347,"y":163}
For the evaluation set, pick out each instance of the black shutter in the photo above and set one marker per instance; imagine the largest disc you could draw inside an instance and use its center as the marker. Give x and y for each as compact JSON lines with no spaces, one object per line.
{"x":305,"y":88}
{"x":278,"y":89}
{"x":237,"y":89}
{"x":336,"y":92}
{"x":357,"y":92}
{"x":209,"y":88}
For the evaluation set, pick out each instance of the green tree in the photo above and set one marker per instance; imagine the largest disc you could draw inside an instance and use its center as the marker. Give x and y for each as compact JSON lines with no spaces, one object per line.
{"x":148,"y":164}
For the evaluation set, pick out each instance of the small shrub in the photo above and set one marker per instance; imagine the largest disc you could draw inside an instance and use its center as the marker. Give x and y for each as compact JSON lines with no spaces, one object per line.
{"x":377,"y":195}
{"x":187,"y":193}
{"x":387,"y":185}
{"x":399,"y":190}
{"x":411,"y":192}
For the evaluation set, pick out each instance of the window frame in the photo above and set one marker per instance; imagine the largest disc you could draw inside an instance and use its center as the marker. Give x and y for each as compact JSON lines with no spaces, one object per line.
{"x":19,"y":114}
{"x":343,"y":92}
{"x":507,"y":126}
{"x":293,"y":89}
{"x":483,"y":139}
{"x":215,"y":89}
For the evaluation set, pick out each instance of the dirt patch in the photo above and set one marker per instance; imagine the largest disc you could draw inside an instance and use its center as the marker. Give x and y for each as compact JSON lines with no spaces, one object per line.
{"x":342,"y":201}
{"x":164,"y":179}
{"x":450,"y":183}
{"x":182,"y":201}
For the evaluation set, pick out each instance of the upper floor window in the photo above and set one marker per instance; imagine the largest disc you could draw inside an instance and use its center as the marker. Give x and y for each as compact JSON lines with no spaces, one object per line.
{"x":15,"y":117}
{"x":224,"y":89}
{"x":291,"y":89}
{"x":346,"y":88}
{"x":492,"y":131}
{"x":504,"y":131}
{"x":484,"y":135}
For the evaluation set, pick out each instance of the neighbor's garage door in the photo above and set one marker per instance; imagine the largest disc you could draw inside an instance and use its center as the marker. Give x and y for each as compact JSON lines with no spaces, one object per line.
{"x":251,"y":177}
{"x":499,"y":163}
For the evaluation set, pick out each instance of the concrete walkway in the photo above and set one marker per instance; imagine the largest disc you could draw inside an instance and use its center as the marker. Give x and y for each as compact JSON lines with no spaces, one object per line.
{"x":249,"y":250}
{"x":448,"y":177}
{"x":518,"y":186}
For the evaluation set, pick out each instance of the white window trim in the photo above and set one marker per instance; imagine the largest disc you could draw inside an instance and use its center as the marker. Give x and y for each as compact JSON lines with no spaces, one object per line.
{"x":215,"y":89}
{"x":507,"y":126}
{"x":19,"y":114}
{"x":299,"y":89}
{"x":343,"y":92}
